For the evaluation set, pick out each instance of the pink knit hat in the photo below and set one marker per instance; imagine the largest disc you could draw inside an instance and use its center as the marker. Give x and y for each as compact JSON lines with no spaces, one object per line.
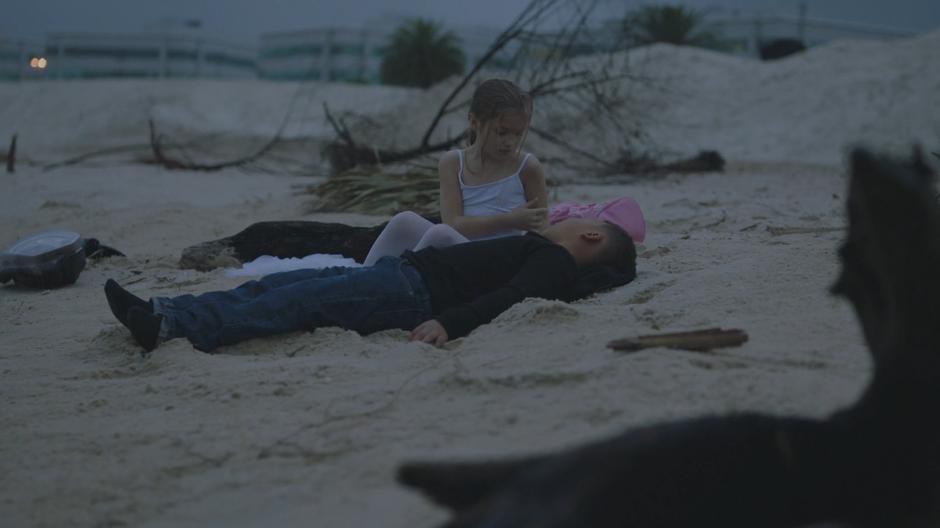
{"x":623,"y":211}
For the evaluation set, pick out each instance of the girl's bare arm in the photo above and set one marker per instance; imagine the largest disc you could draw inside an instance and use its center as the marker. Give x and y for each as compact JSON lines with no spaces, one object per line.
{"x":452,"y":205}
{"x":536,"y":188}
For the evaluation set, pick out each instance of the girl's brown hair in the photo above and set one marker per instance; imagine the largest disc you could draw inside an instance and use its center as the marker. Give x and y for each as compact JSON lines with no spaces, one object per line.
{"x":495,"y":96}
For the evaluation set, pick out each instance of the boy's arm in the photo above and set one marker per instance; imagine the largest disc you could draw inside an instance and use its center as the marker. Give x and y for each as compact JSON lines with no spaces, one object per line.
{"x":548,"y":273}
{"x":430,"y":331}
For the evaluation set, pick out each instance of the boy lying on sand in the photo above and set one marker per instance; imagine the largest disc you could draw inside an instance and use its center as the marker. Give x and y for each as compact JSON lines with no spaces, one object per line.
{"x":439,"y":294}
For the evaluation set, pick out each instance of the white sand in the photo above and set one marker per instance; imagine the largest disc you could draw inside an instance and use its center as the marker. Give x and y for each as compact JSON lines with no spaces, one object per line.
{"x":306,"y":429}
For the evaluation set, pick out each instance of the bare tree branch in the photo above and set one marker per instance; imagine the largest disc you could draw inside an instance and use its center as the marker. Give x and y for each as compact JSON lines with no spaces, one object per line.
{"x":173,"y":164}
{"x":532,"y":12}
{"x":341,"y":130}
{"x":120,"y":149}
{"x":553,"y":75}
{"x":568,"y":146}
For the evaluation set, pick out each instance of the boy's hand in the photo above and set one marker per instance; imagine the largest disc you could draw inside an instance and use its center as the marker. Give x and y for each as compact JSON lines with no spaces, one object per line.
{"x":530,"y":217}
{"x":431,"y":332}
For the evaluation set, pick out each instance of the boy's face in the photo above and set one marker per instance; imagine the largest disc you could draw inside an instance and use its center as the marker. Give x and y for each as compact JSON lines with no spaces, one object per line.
{"x":584,"y":238}
{"x":573,"y":228}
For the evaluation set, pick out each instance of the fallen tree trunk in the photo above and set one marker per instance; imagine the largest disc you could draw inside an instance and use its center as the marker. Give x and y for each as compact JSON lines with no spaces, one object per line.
{"x":284,"y":240}
{"x":873,"y":464}
{"x":642,"y":165}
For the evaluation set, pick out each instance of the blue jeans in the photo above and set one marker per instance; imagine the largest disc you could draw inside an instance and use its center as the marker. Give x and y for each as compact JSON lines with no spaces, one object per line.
{"x":390,"y":294}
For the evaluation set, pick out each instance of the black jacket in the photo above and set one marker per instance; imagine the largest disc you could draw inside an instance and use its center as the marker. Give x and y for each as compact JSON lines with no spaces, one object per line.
{"x":472,"y":283}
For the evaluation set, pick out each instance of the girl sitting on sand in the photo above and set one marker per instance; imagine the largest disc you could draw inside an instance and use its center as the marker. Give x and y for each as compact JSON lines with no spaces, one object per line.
{"x":490,"y":189}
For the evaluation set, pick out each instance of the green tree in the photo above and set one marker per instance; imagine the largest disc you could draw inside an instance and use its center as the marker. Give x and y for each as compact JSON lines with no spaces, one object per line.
{"x":419,"y":53}
{"x":673,"y":24}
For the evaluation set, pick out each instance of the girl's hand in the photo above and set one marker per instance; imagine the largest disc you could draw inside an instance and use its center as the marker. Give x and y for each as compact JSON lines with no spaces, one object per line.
{"x":529,"y":217}
{"x":430,"y":331}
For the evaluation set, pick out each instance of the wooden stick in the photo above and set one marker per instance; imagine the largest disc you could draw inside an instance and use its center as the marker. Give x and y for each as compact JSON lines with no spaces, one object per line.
{"x":696,"y":340}
{"x":780,"y":231}
{"x":11,"y":155}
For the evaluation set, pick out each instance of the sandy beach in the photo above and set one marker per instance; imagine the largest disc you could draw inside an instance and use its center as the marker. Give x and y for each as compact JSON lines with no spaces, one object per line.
{"x":307,"y":429}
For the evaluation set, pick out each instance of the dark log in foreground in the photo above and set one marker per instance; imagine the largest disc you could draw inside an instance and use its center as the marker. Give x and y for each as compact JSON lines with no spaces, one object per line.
{"x":780,"y":48}
{"x":704,"y":161}
{"x":284,"y":240}
{"x":874,"y":464}
{"x":11,"y":155}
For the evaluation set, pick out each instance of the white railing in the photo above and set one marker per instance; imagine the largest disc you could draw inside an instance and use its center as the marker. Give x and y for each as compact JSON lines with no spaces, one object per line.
{"x":333,"y":53}
{"x":82,"y":55}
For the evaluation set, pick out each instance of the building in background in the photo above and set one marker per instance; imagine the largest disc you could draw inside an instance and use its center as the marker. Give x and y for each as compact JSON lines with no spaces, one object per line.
{"x":351,"y":55}
{"x":84,"y":55}
{"x":747,"y":34}
{"x":343,"y":54}
{"x":16,"y":57}
{"x":330,"y":54}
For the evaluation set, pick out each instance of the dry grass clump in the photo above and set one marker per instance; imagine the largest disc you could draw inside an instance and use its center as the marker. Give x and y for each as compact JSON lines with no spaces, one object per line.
{"x":381,"y":189}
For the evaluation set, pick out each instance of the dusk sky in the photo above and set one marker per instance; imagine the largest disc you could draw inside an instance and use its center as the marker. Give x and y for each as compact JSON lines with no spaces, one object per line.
{"x":244,"y":20}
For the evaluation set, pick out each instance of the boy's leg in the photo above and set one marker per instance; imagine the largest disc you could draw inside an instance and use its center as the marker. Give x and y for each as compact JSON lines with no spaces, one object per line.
{"x":403,"y":232}
{"x":390,"y":294}
{"x":246,"y":291}
{"x":441,"y":235}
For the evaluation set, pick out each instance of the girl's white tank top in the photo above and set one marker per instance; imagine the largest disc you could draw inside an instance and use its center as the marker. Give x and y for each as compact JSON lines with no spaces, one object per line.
{"x":500,"y":196}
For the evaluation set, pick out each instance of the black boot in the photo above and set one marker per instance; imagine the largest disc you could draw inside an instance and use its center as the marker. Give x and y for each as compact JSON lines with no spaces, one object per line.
{"x":121,"y":300}
{"x":145,"y":327}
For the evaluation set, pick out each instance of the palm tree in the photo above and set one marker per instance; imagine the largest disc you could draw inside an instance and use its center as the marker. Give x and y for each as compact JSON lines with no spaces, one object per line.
{"x":419,"y":54}
{"x":673,"y":24}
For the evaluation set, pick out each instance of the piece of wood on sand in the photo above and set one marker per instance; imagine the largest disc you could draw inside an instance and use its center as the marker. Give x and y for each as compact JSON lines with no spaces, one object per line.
{"x":11,"y":155}
{"x":696,"y":340}
{"x":781,"y":231}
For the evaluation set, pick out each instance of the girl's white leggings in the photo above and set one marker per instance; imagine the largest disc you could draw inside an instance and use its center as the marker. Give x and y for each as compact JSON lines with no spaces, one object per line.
{"x":409,"y":230}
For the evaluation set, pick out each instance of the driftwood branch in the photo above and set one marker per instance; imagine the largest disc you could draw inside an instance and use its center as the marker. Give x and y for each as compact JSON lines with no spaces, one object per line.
{"x":174,"y":164}
{"x":532,"y":12}
{"x":551,"y":138}
{"x":499,"y":44}
{"x":552,"y":76}
{"x":344,"y":157}
{"x":121,"y":149}
{"x":11,"y":155}
{"x":875,"y":463}
{"x":697,"y":340}
{"x":781,"y":231}
{"x":647,"y":165}
{"x":156,"y":146}
{"x":338,"y":126}
{"x":348,"y":154}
